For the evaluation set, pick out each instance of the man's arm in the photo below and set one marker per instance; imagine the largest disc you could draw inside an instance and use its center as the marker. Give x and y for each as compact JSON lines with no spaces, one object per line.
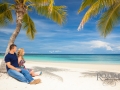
{"x":12,"y":67}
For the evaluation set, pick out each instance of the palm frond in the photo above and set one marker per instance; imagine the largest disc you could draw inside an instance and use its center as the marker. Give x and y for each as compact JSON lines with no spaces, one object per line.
{"x":12,"y":7}
{"x":109,"y":19}
{"x":95,"y":6}
{"x":85,"y":4}
{"x":47,"y":8}
{"x":38,"y":3}
{"x":5,"y":15}
{"x":89,"y":3}
{"x":92,"y":11}
{"x":58,"y":13}
{"x":29,"y":26}
{"x":108,"y":3}
{"x":50,"y":6}
{"x":25,"y":1}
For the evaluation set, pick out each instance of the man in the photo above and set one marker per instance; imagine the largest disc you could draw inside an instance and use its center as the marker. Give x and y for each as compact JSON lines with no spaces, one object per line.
{"x":13,"y":68}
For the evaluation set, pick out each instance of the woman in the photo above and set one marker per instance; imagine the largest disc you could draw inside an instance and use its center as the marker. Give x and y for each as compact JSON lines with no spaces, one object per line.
{"x":21,"y":62}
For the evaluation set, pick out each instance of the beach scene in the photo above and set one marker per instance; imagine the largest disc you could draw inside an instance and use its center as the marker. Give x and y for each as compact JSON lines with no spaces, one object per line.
{"x":59,"y":45}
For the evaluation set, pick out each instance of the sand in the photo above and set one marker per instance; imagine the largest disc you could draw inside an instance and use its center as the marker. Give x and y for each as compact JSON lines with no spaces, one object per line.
{"x":65,"y":76}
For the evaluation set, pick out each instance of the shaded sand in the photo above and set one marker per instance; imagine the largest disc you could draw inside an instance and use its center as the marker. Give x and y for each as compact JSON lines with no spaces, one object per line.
{"x":65,"y":76}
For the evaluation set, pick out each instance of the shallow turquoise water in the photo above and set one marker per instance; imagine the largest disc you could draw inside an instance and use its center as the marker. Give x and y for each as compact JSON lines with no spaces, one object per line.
{"x":98,"y":59}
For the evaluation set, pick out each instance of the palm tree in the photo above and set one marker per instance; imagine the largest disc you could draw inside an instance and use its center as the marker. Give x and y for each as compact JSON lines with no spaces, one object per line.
{"x":21,"y":8}
{"x":109,"y":11}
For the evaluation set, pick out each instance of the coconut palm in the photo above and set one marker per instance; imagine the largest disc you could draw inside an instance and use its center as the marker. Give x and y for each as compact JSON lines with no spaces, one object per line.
{"x":21,"y":8}
{"x":108,"y":10}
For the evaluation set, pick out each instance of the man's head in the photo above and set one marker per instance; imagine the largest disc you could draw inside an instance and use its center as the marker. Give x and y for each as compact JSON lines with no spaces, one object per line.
{"x":13,"y":47}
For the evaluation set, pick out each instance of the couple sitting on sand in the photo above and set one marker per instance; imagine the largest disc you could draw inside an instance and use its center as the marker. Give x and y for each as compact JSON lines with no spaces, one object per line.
{"x":16,"y":69}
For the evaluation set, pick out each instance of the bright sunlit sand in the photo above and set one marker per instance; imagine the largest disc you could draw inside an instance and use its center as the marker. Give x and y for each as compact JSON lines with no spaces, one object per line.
{"x":64,"y":76}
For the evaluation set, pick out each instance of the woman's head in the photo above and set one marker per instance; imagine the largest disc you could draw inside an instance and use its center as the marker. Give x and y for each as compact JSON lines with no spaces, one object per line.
{"x":20,"y":52}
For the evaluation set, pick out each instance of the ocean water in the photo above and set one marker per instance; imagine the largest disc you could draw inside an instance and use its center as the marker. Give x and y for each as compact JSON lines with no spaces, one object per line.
{"x":78,"y":58}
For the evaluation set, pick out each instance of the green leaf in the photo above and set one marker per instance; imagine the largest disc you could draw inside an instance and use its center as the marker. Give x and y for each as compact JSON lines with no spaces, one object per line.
{"x":58,"y":13}
{"x":107,"y":3}
{"x":85,"y":4}
{"x":92,"y":11}
{"x":39,"y":2}
{"x":89,"y":3}
{"x":29,"y":26}
{"x":47,"y":9}
{"x":50,"y":6}
{"x":5,"y":15}
{"x":109,"y":19}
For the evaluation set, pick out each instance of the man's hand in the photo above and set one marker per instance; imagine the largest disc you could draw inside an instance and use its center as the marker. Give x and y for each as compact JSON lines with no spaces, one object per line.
{"x":12,"y":67}
{"x":18,"y":69}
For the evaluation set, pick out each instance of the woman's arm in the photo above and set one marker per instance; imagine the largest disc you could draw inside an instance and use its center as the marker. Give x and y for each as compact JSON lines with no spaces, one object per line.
{"x":19,"y":59}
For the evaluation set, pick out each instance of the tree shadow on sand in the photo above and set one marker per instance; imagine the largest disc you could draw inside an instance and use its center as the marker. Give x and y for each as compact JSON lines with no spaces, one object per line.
{"x":48,"y":72}
{"x":107,"y":78}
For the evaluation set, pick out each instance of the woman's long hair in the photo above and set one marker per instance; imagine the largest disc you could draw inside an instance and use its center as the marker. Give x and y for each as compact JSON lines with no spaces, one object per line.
{"x":20,"y":52}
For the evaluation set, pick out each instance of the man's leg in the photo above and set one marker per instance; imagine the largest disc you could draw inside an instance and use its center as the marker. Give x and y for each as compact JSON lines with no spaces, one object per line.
{"x":17,"y":75}
{"x":26,"y":75}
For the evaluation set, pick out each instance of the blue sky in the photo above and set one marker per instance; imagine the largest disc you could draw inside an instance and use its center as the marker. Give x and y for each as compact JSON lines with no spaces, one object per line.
{"x":55,"y":39}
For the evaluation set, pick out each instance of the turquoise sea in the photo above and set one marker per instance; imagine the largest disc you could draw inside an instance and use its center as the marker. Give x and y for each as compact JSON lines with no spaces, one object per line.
{"x":75,"y":58}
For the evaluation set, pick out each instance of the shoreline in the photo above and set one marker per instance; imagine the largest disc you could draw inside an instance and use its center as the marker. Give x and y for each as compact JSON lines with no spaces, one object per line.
{"x":90,"y":66}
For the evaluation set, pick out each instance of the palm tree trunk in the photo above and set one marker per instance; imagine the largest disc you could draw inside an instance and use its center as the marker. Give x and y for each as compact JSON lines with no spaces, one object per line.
{"x":20,"y":11}
{"x":11,"y":41}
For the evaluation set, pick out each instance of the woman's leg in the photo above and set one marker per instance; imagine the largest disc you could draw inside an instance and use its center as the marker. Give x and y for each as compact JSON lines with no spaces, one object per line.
{"x":17,"y":75}
{"x":34,"y":74}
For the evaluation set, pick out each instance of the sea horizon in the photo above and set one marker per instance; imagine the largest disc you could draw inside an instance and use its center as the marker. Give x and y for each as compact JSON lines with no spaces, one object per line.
{"x":64,"y":54}
{"x":73,"y":58}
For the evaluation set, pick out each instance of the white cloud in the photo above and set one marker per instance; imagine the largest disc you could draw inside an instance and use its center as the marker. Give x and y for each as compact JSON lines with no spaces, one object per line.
{"x":57,"y":51}
{"x":94,"y":44}
{"x":100,"y":44}
{"x":77,"y":47}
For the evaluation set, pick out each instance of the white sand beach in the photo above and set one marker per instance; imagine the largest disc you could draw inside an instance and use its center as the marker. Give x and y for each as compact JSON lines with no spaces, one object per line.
{"x":65,"y":76}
